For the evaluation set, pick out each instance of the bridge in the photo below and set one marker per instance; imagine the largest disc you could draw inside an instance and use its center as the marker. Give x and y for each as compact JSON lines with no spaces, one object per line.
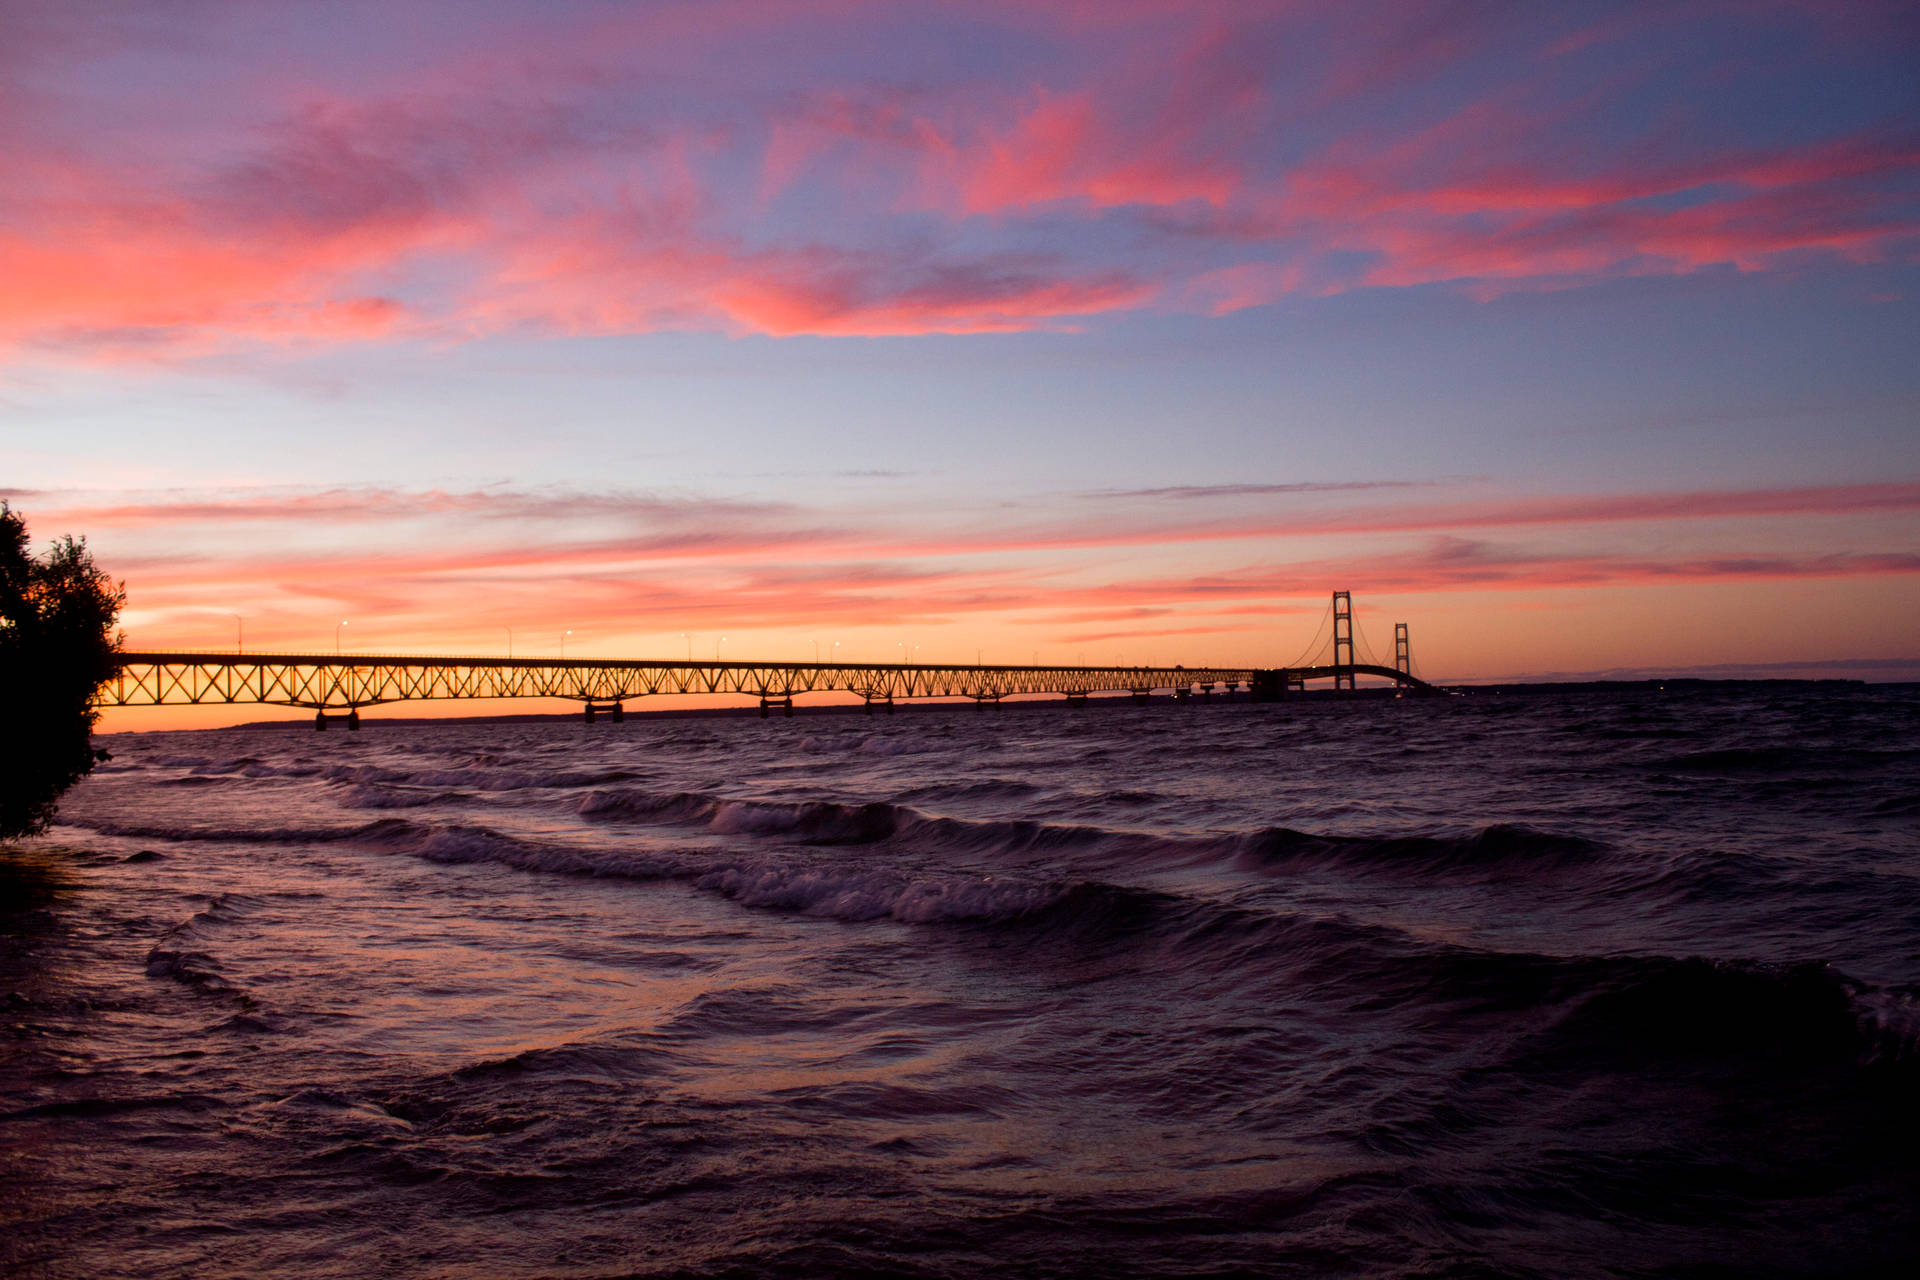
{"x":336,"y":686}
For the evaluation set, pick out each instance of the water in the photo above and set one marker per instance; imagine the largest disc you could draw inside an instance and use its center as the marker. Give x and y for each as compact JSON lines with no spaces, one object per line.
{"x":1589,"y":983}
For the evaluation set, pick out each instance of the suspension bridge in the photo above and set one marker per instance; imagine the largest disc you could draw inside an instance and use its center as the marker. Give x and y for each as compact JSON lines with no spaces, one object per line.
{"x":336,"y":686}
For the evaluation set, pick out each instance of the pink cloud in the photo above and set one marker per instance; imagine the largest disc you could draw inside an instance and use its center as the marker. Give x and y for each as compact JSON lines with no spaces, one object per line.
{"x":583,"y":529}
{"x":480,"y":560}
{"x":1163,"y":156}
{"x":1063,"y":149}
{"x":429,"y":598}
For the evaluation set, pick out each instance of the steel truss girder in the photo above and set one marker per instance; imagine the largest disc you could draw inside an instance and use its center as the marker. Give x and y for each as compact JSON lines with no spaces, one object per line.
{"x":333,"y":682}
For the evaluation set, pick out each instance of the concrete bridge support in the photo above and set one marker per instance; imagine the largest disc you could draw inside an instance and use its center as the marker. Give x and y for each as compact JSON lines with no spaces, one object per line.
{"x":352,"y":717}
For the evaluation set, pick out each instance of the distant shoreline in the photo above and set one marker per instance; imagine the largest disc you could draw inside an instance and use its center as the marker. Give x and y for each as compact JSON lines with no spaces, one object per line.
{"x":1111,"y":701}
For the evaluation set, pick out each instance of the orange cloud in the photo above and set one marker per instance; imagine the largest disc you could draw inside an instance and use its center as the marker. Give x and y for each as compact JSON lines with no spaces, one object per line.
{"x":482,"y":561}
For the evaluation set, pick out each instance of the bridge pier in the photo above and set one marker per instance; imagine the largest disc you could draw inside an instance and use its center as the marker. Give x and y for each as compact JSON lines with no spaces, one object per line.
{"x":352,"y":718}
{"x":615,"y":711}
{"x":1141,"y":697}
{"x":1183,"y":694}
{"x":785,"y":702}
{"x":1077,"y":698}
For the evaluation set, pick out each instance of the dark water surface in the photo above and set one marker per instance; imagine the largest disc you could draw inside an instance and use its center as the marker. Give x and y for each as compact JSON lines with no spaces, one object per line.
{"x":1590,"y":983}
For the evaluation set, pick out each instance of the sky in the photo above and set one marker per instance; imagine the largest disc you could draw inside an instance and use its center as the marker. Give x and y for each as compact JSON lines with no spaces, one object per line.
{"x":1582,"y":338}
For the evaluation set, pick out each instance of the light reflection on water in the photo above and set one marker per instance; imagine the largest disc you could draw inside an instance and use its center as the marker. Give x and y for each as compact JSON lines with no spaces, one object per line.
{"x":1386,"y":986}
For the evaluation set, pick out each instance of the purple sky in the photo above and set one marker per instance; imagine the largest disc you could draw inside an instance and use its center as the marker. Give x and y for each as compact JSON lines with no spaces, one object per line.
{"x":1580,"y":337}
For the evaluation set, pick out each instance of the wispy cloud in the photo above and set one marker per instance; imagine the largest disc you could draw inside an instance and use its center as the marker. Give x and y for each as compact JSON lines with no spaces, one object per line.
{"x":1059,"y":170}
{"x":1216,"y":492}
{"x":495,"y":555}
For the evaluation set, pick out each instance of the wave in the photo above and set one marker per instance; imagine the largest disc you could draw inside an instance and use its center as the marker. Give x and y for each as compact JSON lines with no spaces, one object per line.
{"x":216,"y":835}
{"x":1500,"y":846}
{"x":981,"y":789}
{"x":1629,"y":1010}
{"x":811,"y":822}
{"x":825,"y":822}
{"x":679,"y":807}
{"x":840,"y":892}
{"x":1845,"y":761}
{"x":223,"y":835}
{"x":585,"y":1064}
{"x":1697,"y":1013}
{"x":885,"y":744}
{"x":370,"y":796}
{"x":1496,"y":849}
{"x":461,"y":843}
{"x":91,"y":1108}
{"x":481,"y":777}
{"x":1745,"y":1014}
{"x":176,"y":954}
{"x":856,"y":894}
{"x":243,"y":766}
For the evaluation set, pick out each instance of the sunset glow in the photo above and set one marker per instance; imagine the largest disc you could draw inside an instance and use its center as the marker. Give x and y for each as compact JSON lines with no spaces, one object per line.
{"x":1579,"y":338}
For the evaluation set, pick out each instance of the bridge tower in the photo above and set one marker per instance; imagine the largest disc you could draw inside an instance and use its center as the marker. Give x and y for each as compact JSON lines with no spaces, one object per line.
{"x":1402,"y":651}
{"x":1343,"y":641}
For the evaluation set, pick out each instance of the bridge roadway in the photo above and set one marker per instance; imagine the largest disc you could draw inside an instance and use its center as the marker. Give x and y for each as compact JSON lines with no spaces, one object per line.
{"x":342,"y":684}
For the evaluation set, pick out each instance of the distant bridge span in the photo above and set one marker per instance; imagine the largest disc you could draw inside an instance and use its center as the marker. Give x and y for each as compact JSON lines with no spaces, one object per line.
{"x":341,"y":684}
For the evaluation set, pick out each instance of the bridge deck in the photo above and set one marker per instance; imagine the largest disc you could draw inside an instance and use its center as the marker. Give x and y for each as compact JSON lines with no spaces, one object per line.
{"x":333,"y":681}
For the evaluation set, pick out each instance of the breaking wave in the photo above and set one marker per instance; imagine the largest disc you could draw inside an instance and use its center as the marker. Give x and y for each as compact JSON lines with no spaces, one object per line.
{"x":1502,"y":845}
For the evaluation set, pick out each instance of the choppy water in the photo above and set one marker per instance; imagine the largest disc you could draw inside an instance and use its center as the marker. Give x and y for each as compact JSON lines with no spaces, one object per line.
{"x":1579,"y":984}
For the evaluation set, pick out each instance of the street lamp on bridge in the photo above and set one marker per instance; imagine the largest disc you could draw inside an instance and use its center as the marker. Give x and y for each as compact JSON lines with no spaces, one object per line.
{"x":336,"y":638}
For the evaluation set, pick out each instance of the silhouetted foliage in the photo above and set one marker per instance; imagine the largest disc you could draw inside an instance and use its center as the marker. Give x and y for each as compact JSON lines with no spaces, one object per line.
{"x":57,"y":646}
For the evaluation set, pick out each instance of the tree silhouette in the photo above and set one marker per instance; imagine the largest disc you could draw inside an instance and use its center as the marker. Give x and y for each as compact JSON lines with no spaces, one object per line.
{"x":57,"y":646}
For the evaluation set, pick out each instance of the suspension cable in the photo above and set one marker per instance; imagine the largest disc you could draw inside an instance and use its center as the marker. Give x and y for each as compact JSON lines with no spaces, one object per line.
{"x":1313,"y":645}
{"x":1361,"y":645}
